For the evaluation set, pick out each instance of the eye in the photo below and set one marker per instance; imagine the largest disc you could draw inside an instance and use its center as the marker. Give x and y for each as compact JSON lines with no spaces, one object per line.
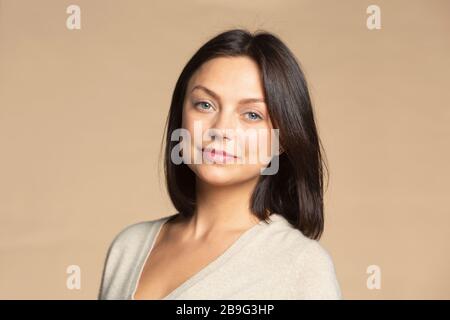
{"x":254,"y":116}
{"x":201,"y":105}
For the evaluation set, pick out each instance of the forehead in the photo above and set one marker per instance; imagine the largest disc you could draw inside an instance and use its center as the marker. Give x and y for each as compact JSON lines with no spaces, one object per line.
{"x":234,"y":77}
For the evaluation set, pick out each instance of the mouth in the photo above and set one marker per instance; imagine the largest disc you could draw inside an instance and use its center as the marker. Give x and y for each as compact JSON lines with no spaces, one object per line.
{"x":217,"y":155}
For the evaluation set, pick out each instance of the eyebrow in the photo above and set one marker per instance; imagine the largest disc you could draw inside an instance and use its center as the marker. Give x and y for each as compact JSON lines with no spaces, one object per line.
{"x":216,"y":96}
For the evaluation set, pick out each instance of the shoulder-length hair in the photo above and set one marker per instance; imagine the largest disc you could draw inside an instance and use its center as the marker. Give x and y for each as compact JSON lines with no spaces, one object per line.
{"x":296,"y":190}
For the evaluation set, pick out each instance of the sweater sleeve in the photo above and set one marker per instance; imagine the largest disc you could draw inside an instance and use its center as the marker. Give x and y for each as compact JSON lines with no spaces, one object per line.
{"x":107,"y":272}
{"x":316,"y":276}
{"x":121,"y":252}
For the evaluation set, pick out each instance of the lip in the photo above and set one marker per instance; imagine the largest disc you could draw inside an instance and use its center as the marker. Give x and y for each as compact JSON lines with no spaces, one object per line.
{"x":217,"y":155}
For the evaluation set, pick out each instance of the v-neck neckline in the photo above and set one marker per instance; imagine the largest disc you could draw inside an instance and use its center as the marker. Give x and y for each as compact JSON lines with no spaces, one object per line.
{"x":206,"y":269}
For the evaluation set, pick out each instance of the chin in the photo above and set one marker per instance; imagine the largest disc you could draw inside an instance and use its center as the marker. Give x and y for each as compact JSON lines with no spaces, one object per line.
{"x":218,"y":175}
{"x":223,"y":175}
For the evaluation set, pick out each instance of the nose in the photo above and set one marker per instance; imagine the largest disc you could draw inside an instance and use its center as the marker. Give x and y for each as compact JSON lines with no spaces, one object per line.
{"x":218,"y":134}
{"x":223,"y":127}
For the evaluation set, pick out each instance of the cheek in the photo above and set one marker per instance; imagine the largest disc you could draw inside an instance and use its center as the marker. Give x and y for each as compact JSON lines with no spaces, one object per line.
{"x":197,"y":138}
{"x":187,"y":120}
{"x":192,"y":120}
{"x":257,"y":146}
{"x":195,"y":125}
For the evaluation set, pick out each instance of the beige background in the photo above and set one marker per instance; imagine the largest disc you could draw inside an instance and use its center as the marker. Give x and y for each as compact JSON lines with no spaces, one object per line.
{"x":82,"y":115}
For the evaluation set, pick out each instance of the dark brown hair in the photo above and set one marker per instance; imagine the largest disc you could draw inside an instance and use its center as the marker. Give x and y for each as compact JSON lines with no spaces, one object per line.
{"x":296,"y":190}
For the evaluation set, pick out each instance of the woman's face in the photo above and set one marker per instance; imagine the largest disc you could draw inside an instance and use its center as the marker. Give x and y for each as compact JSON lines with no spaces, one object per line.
{"x":224,"y":110}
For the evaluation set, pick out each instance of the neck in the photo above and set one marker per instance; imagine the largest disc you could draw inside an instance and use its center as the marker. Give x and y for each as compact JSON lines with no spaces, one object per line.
{"x":222,"y":208}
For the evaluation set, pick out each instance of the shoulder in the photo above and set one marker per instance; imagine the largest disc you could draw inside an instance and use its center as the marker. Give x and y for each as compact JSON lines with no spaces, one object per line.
{"x":133,"y":233}
{"x":312,"y":266}
{"x":313,"y":253}
{"x":315,"y":272}
{"x":124,"y":253}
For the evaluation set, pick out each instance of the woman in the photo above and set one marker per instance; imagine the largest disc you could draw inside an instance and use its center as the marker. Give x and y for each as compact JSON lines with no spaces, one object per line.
{"x":242,"y":231}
